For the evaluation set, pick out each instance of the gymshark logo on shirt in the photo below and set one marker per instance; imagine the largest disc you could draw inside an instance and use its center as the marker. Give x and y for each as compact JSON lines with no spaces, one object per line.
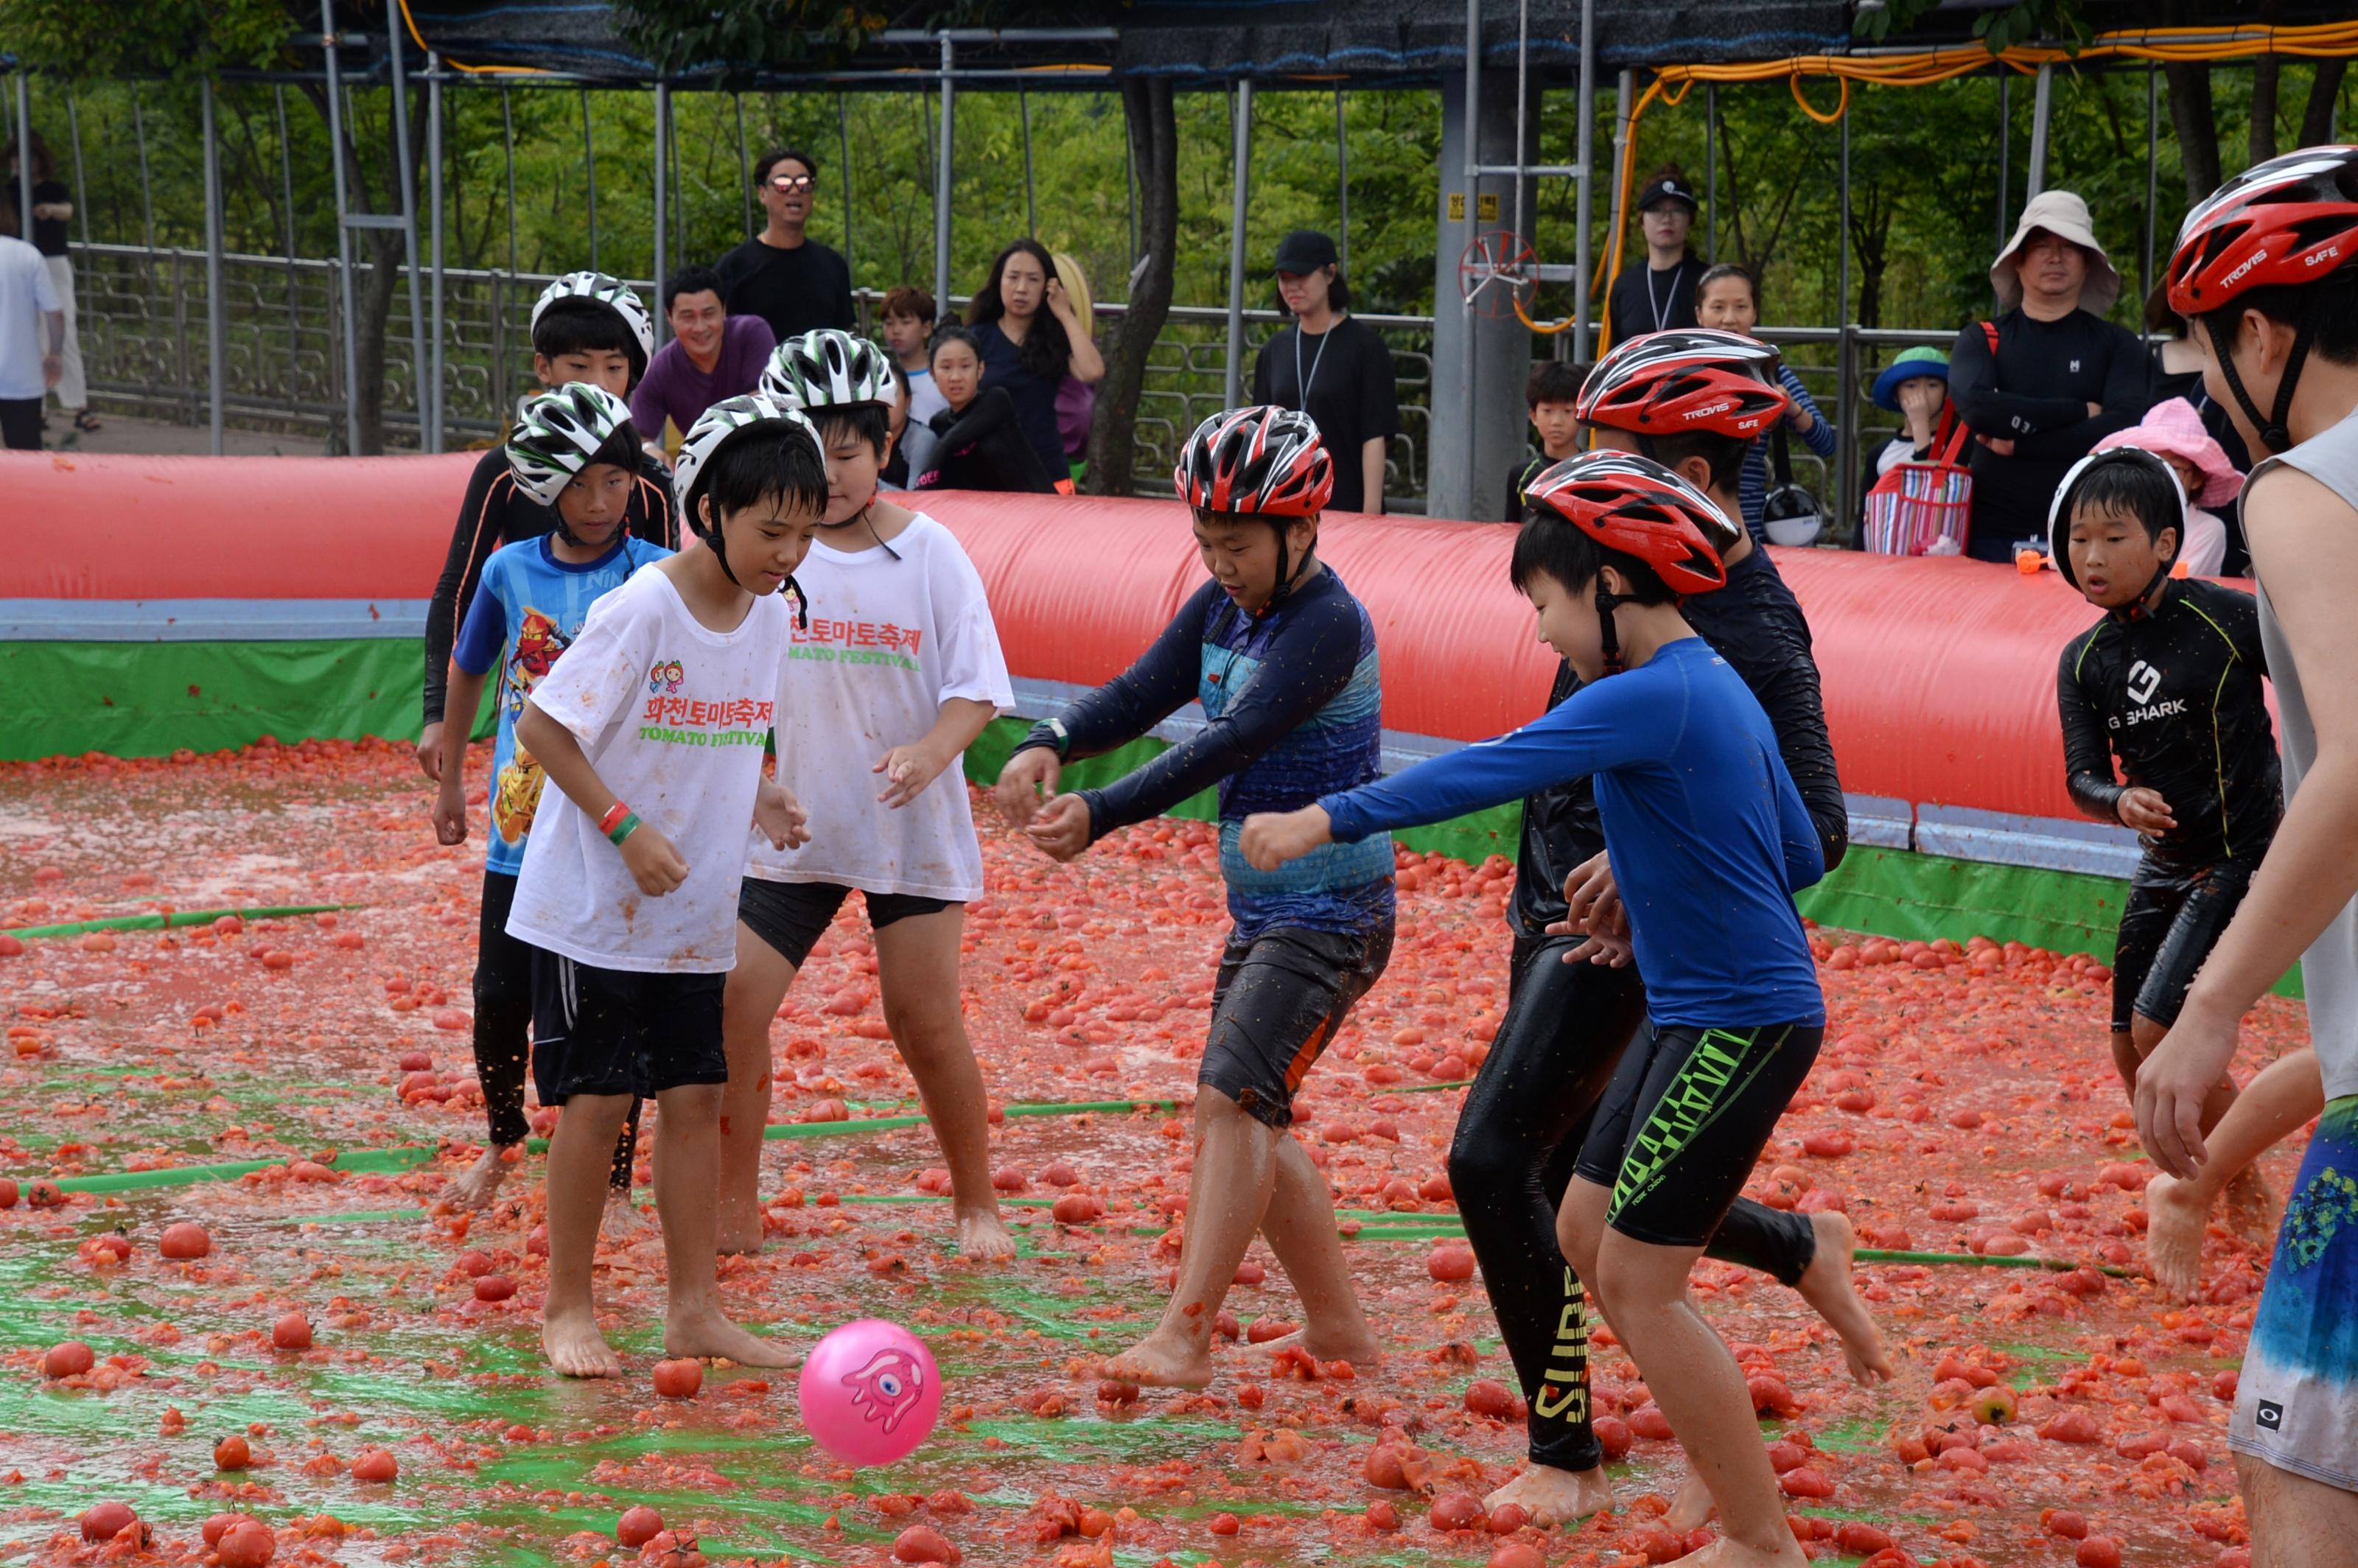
{"x":2143,"y":682}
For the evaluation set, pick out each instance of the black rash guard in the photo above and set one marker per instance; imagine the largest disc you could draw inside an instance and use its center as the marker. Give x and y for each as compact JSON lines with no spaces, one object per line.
{"x":1756,"y":625}
{"x":2174,"y":695}
{"x":495,"y":512}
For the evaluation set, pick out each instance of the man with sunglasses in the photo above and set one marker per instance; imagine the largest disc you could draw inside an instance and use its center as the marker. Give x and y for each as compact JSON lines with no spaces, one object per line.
{"x":780,"y":274}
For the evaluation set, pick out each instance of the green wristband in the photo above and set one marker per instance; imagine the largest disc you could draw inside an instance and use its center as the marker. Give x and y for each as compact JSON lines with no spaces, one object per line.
{"x":624,"y":829}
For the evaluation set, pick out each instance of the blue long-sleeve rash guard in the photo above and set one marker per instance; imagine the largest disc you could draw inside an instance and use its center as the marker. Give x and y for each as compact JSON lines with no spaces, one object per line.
{"x":1706,"y":832}
{"x":1293,"y":708}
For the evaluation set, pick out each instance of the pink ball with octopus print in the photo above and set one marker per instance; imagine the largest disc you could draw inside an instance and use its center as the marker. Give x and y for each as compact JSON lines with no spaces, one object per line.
{"x":871,"y":1392}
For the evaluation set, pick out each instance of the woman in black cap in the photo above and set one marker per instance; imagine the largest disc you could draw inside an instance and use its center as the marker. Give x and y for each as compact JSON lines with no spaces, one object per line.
{"x":1331,"y":368}
{"x":1658,"y":294}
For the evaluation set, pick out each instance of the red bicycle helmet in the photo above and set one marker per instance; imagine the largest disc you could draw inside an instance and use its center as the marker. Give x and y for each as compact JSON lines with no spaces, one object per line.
{"x":1639,"y":508}
{"x":1672,"y":384}
{"x":1263,"y":460}
{"x":2289,"y":221}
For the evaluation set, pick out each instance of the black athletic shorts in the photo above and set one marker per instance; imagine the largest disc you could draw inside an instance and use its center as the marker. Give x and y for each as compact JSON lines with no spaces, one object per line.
{"x":1686,"y":1118}
{"x":1275,"y":1009}
{"x":792,"y":916}
{"x":2169,"y":923}
{"x":618,"y":1032}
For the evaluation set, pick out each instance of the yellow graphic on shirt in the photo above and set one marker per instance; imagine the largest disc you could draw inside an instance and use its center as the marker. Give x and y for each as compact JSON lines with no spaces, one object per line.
{"x":518,"y":798}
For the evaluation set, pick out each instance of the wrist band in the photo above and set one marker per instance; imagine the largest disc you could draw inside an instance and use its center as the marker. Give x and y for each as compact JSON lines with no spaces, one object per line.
{"x":613,"y":818}
{"x":624,"y":829}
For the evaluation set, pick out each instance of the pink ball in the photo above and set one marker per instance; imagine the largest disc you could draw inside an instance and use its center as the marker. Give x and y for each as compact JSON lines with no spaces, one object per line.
{"x":871,"y":1392}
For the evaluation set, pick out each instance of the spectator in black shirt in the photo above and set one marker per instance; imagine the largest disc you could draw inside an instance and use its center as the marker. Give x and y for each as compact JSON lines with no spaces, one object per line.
{"x":2041,"y":384}
{"x":781,"y":274}
{"x":52,"y":207}
{"x":1659,"y":294}
{"x":1032,"y":339}
{"x":1553,"y":396}
{"x":1332,"y":368}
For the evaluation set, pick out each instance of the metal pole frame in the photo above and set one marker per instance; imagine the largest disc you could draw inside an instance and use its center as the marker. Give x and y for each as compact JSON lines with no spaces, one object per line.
{"x":216,"y":316}
{"x":1469,"y":228}
{"x":407,"y":168}
{"x":82,"y":191}
{"x":294,"y":286}
{"x":1584,"y":329}
{"x":589,"y":176}
{"x":434,"y":180}
{"x":1232,"y":385}
{"x":147,"y":190}
{"x":1846,"y":353}
{"x":2042,"y":108}
{"x":336,"y":106}
{"x":25,"y":152}
{"x":1711,"y":170}
{"x":843,"y":138}
{"x":1129,"y":178}
{"x":507,"y":139}
{"x":745,"y":177}
{"x":942,"y":180}
{"x":1031,"y":195}
{"x":2005,"y":152}
{"x":1342,"y":186}
{"x":661,"y":213}
{"x":2152,"y":172}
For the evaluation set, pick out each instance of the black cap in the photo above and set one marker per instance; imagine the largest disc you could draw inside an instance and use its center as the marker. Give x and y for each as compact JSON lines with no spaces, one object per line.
{"x":1304,"y":251}
{"x":1668,"y":190}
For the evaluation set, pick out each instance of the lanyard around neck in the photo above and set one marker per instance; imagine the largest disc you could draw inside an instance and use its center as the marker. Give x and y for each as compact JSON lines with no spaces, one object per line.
{"x":1299,"y":379}
{"x":1661,"y":309}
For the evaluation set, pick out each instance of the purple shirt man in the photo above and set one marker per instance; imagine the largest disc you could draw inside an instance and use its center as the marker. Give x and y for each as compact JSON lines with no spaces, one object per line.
{"x":712,"y":355}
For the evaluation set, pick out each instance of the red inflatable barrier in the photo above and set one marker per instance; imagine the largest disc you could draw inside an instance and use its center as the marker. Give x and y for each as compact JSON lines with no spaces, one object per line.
{"x":148,"y":527}
{"x":1939,"y":674}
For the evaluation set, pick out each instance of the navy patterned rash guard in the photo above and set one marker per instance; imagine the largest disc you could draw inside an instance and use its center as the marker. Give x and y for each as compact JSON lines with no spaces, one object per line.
{"x":1293,"y":711}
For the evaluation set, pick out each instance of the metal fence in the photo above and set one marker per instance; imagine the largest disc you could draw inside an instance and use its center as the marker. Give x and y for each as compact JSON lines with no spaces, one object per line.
{"x":141,"y":316}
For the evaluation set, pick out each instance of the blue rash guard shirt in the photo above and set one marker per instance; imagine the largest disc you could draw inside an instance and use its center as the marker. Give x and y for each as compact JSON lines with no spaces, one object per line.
{"x":1293,"y":710}
{"x":1706,"y":834}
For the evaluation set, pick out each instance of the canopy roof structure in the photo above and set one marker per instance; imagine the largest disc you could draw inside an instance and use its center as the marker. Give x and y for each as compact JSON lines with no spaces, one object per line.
{"x":1317,"y":44}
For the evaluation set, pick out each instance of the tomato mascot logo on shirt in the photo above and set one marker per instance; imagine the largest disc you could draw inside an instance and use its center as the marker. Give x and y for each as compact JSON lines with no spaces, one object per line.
{"x":888,"y":1388}
{"x":665,"y":678}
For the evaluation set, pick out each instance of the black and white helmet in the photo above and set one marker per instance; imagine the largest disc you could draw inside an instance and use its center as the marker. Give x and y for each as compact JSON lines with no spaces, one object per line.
{"x":713,"y":429}
{"x":599,"y":288}
{"x":829,"y":368}
{"x":557,"y":433}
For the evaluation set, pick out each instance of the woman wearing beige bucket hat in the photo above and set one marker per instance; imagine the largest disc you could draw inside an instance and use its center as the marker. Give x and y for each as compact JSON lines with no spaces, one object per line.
{"x":2046,"y":379}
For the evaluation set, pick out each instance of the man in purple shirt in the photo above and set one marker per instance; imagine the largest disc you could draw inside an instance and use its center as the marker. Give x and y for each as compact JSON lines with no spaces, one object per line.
{"x":712,"y":355}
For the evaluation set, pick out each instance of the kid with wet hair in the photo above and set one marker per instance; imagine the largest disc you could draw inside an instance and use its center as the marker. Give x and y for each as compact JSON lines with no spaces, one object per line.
{"x":662,"y":707}
{"x":2167,"y":683}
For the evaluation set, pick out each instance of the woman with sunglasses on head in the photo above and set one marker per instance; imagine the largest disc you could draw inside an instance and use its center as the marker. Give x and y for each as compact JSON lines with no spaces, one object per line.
{"x":1031,"y":339}
{"x":781,"y":274}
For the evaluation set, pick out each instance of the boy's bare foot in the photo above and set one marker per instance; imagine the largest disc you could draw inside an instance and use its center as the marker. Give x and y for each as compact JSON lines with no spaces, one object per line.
{"x":574,"y":1347}
{"x":1555,"y":1498}
{"x":706,"y":1333}
{"x":1161,"y":1361}
{"x":473,"y":1190}
{"x":983,"y":1238}
{"x":1365,"y":1350}
{"x":1826,"y":1285}
{"x":2175,"y":1224}
{"x":622,"y":1219}
{"x":1690,"y":1508}
{"x":2250,"y":1207}
{"x":1727,"y":1553}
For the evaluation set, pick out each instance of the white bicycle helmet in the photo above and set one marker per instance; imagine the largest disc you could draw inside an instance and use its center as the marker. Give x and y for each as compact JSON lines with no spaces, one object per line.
{"x":599,"y":288}
{"x":556,"y":434}
{"x":829,"y":368}
{"x":714,"y":428}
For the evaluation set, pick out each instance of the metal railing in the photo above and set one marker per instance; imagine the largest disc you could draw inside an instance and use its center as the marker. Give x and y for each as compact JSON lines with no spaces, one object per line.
{"x":142,"y":315}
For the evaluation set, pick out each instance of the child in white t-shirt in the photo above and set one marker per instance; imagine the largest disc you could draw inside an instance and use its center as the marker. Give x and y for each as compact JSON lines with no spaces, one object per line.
{"x":899,"y":667}
{"x":652,"y":729}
